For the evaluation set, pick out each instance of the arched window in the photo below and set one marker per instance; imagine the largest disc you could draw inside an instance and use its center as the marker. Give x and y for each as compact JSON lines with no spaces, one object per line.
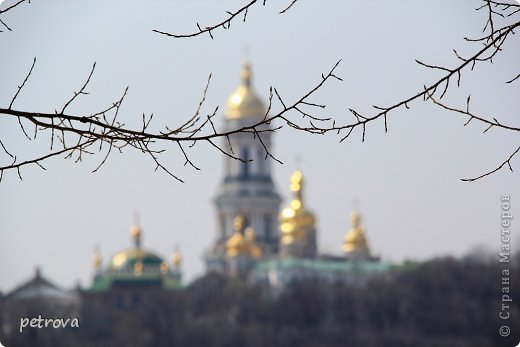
{"x":244,"y":168}
{"x":261,"y":161}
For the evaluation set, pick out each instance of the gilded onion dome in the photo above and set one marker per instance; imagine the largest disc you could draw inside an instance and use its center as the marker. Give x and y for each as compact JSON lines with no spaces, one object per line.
{"x":135,"y":259}
{"x":176,"y":259}
{"x":242,"y":242}
{"x":355,"y":240}
{"x":244,"y":102}
{"x":96,"y":259}
{"x":164,"y":268}
{"x":135,"y":234}
{"x":253,"y":250}
{"x":134,"y":266}
{"x":295,"y":220}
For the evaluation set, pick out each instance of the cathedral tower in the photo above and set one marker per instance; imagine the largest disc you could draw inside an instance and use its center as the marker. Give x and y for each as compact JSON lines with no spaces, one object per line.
{"x":298,"y":224}
{"x":247,"y":188}
{"x":355,"y":244}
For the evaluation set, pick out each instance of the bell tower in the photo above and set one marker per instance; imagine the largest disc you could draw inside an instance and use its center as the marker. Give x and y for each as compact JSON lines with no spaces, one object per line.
{"x":247,"y":188}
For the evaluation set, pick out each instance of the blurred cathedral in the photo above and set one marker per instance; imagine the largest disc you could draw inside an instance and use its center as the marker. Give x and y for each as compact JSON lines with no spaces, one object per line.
{"x":254,"y":240}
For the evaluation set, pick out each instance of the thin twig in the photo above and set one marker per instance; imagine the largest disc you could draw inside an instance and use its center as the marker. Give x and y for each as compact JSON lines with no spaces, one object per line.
{"x":507,"y":161}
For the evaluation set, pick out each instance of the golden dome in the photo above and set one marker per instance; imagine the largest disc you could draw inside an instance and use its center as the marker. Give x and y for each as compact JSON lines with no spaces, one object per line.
{"x":355,"y":239}
{"x":239,"y":223}
{"x":164,"y":268}
{"x":135,"y":258}
{"x":234,"y":244}
{"x":138,"y":268}
{"x":253,"y":250}
{"x":128,"y":258}
{"x":355,"y":219}
{"x":96,"y":260}
{"x":244,"y":102}
{"x":242,"y":242}
{"x":296,"y":181}
{"x":295,"y":220}
{"x":176,"y":259}
{"x":135,"y":234}
{"x":135,"y":231}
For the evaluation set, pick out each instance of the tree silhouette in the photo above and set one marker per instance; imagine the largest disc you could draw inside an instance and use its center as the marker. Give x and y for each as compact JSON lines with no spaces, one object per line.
{"x":100,"y":132}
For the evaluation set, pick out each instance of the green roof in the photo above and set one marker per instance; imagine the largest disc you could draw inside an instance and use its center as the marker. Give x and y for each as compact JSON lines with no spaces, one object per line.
{"x":105,"y":281}
{"x":321,"y":265}
{"x":128,"y":258}
{"x":135,"y":267}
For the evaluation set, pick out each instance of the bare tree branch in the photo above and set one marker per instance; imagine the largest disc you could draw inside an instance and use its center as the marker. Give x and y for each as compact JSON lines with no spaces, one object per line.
{"x":428,"y":91}
{"x":513,"y":79}
{"x":492,"y":43}
{"x":288,"y":7}
{"x":473,"y":116}
{"x":224,"y":24}
{"x":9,"y":8}
{"x":13,"y":6}
{"x":38,"y":160}
{"x":81,"y":91}
{"x":23,"y":83}
{"x":103,"y":129}
{"x":507,"y":161}
{"x":87,"y":132}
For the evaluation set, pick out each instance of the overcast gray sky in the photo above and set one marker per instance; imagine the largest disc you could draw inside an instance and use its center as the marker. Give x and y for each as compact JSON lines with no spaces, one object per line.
{"x":406,"y":182}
